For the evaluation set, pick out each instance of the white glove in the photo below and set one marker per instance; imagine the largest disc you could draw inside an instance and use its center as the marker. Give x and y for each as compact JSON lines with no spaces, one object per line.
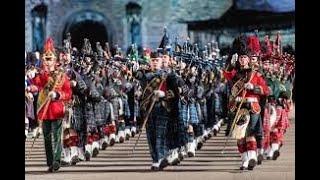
{"x":73,"y":83}
{"x":234,"y":59}
{"x":159,"y":93}
{"x":52,"y":94}
{"x":30,"y":96}
{"x":249,"y":86}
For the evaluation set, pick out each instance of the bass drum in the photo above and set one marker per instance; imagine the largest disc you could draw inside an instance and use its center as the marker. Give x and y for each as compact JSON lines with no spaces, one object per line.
{"x":242,"y":122}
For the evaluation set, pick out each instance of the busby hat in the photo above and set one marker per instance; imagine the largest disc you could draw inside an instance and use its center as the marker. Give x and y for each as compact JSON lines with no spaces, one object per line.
{"x":239,"y":46}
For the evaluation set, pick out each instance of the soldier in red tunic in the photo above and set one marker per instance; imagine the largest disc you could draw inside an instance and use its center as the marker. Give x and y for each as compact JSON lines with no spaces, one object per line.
{"x":249,"y":86}
{"x":54,"y":91}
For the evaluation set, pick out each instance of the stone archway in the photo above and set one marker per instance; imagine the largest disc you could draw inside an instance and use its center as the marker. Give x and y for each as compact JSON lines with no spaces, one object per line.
{"x":88,"y":24}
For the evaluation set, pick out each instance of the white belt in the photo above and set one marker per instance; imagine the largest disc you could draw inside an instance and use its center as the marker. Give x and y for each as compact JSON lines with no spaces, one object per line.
{"x":247,"y":99}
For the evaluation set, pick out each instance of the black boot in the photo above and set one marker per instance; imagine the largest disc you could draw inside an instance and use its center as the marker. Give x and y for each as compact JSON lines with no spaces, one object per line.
{"x":260,"y":159}
{"x":87,"y":156}
{"x":252,"y":164}
{"x":104,"y":146}
{"x":95,"y":152}
{"x":127,"y":137}
{"x":164,"y":163}
{"x":276,"y":154}
{"x":56,"y":166}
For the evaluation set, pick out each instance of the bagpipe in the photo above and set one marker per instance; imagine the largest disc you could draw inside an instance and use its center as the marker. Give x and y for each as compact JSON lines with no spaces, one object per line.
{"x":193,"y":55}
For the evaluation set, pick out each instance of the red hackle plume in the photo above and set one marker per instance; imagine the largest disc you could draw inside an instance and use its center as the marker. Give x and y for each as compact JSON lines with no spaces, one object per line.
{"x":254,"y":45}
{"x":48,"y":46}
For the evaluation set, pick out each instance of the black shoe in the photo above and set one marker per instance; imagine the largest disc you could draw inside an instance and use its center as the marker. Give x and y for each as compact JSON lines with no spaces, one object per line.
{"x":205,"y":137}
{"x":164,"y":163}
{"x":190,"y":154}
{"x":252,"y":164}
{"x":242,"y":168}
{"x":215,"y":132}
{"x":104,"y":146}
{"x":95,"y":152}
{"x":56,"y":166}
{"x":74,"y":160}
{"x":133,"y":134}
{"x":50,"y":169}
{"x":154,"y":168}
{"x":260,"y":159}
{"x":87,"y":156}
{"x":127,"y":137}
{"x":65,"y":164}
{"x":121,"y":139}
{"x":199,"y":145}
{"x":175,"y":162}
{"x":268,"y":158}
{"x":112,"y":141}
{"x":276,"y":154}
{"x":209,"y":135}
{"x":180,"y":157}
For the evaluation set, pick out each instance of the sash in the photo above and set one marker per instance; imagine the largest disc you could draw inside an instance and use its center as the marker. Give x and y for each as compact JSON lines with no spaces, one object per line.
{"x":53,"y":83}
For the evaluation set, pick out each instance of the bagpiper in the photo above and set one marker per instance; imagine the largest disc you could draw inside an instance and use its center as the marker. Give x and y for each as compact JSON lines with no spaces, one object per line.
{"x":244,"y":105}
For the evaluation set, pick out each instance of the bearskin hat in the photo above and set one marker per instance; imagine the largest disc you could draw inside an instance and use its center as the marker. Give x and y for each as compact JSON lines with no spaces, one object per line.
{"x":239,"y":45}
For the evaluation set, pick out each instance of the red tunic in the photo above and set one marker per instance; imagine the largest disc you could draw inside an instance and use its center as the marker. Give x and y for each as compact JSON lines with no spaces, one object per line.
{"x":257,"y":80}
{"x":56,"y":108}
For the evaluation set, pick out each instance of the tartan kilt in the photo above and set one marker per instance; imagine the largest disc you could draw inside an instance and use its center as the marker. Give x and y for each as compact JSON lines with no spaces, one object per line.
{"x":204,"y":112}
{"x":160,"y":118}
{"x":77,"y":119}
{"x":115,"y":105}
{"x":136,"y":109}
{"x":99,"y":108}
{"x":211,"y":120}
{"x":218,"y":104}
{"x":182,"y":124}
{"x":89,"y":115}
{"x":107,"y":112}
{"x":172,"y":133}
{"x":183,"y":113}
{"x":194,"y":119}
{"x":126,"y":108}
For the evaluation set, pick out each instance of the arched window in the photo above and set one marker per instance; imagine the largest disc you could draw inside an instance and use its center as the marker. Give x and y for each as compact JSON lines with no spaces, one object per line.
{"x":39,"y":17}
{"x":133,"y":13}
